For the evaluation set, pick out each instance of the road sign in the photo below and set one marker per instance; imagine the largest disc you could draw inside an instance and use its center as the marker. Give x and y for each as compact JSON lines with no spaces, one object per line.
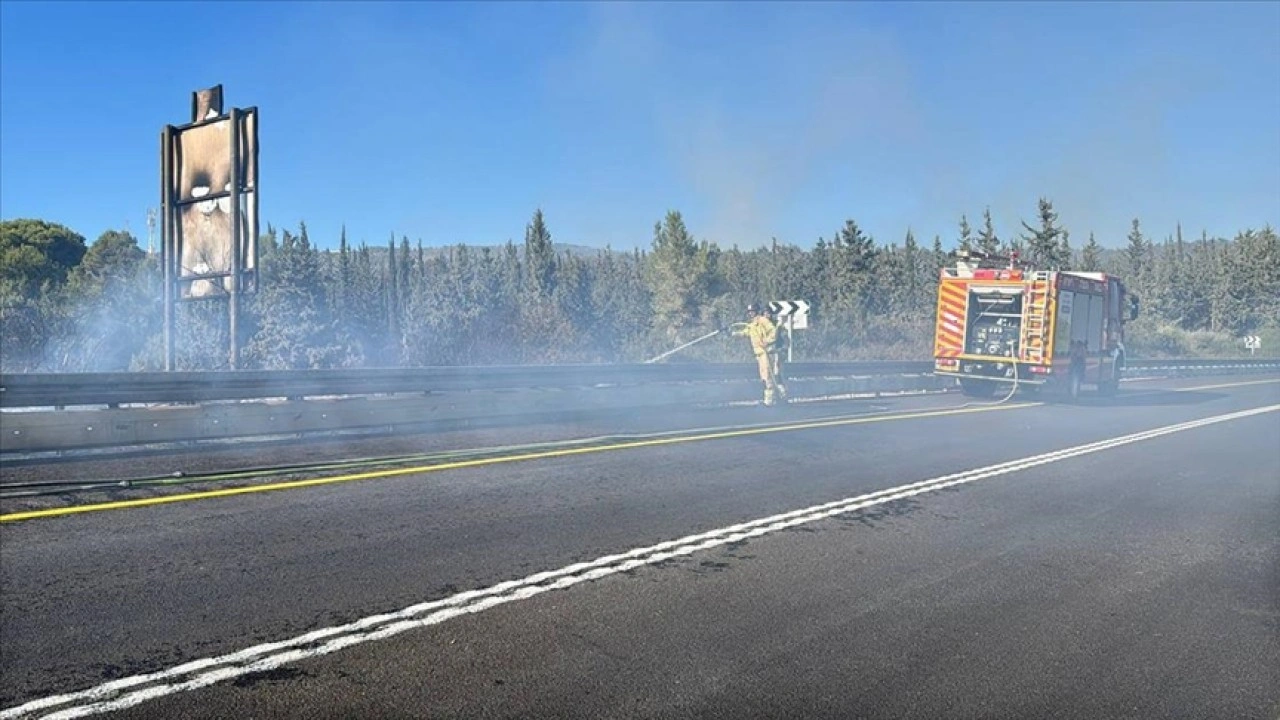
{"x":1252,"y":343}
{"x":795,"y":313}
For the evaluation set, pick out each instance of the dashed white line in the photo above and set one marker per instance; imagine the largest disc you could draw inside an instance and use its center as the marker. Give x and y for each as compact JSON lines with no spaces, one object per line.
{"x":107,"y":697}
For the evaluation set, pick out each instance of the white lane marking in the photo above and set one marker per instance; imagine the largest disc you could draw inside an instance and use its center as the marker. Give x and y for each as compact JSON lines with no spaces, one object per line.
{"x":377,"y":627}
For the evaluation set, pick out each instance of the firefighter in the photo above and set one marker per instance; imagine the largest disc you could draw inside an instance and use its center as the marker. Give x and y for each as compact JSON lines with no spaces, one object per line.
{"x":764,"y":344}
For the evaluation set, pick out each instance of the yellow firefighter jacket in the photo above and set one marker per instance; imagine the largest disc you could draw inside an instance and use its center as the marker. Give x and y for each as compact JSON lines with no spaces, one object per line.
{"x":763,"y":334}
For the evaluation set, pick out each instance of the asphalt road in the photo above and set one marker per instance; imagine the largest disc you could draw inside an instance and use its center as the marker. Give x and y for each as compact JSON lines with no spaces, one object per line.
{"x":1135,"y":579}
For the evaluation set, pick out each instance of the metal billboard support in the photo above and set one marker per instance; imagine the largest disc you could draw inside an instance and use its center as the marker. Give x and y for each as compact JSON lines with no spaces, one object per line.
{"x":166,"y":240}
{"x":237,"y":277}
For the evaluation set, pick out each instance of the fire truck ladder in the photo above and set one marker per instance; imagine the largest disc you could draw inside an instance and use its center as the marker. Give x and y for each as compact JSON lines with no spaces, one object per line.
{"x":1036,"y":324}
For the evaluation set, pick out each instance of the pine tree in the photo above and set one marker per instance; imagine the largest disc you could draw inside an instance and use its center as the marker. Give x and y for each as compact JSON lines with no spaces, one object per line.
{"x":909,"y":292}
{"x":966,"y":235}
{"x":987,"y":240}
{"x":295,"y":331}
{"x":539,"y":257}
{"x":1091,"y":260}
{"x":1044,"y":248}
{"x":405,"y":268}
{"x":1137,"y":250}
{"x":542,"y":327}
{"x":854,"y":261}
{"x":111,"y":306}
{"x":344,"y":276}
{"x":393,"y":303}
{"x":678,"y":279}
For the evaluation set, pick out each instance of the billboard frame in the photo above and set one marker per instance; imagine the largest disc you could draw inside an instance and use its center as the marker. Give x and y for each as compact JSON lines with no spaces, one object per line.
{"x":243,"y":274}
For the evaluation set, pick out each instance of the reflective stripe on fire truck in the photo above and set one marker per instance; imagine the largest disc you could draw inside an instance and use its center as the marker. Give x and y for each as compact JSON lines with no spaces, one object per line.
{"x":952,"y":299}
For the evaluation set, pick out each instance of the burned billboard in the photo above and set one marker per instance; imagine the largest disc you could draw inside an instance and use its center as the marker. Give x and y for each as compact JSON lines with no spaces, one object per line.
{"x":207,"y":158}
{"x":209,"y":201}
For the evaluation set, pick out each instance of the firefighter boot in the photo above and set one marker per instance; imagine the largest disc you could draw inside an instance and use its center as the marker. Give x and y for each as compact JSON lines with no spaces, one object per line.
{"x":768,"y":394}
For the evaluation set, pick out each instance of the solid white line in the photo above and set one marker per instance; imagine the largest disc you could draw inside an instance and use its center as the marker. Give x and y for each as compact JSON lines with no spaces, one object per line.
{"x":272,"y":655}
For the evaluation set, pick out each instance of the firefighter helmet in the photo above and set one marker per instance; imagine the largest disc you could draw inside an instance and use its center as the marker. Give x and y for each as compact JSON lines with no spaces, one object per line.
{"x":753,"y":308}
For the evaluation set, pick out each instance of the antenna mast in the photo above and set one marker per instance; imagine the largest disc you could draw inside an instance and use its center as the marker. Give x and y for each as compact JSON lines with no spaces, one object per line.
{"x":151,"y":227}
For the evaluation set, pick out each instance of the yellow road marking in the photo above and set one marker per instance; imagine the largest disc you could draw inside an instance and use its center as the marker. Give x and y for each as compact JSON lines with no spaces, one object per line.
{"x":292,"y":484}
{"x":1147,"y":392}
{"x":1227,"y":385}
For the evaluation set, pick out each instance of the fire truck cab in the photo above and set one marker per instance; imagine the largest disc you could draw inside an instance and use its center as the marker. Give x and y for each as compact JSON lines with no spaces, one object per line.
{"x":1000,"y":324}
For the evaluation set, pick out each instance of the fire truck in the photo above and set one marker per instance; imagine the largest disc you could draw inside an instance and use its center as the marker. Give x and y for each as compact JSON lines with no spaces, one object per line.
{"x":999,"y":324}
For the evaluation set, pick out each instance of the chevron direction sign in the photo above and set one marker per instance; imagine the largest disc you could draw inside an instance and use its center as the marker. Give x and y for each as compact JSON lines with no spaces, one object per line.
{"x":793,"y":313}
{"x":1252,"y":343}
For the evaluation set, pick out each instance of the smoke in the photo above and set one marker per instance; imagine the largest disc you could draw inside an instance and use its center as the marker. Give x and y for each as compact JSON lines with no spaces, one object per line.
{"x":1110,"y":157}
{"x":835,"y":114}
{"x":826,"y":102}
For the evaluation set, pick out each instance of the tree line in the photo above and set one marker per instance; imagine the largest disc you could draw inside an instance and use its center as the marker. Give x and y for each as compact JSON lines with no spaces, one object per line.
{"x":69,"y":306}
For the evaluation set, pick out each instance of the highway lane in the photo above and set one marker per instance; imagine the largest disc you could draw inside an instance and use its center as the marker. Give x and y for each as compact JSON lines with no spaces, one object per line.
{"x":1073,"y":591}
{"x":92,"y":597}
{"x":222,"y":457}
{"x":499,"y":431}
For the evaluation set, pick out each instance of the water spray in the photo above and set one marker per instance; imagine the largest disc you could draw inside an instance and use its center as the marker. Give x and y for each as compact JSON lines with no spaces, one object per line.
{"x":691,"y":343}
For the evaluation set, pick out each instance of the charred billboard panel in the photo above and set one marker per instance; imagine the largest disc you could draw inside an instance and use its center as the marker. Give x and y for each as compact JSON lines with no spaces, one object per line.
{"x":209,"y":201}
{"x":204,"y":166}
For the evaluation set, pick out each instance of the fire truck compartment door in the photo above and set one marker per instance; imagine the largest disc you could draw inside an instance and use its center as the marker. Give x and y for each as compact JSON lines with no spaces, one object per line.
{"x":1062,"y":336}
{"x":1082,"y":313}
{"x":1097,"y":309}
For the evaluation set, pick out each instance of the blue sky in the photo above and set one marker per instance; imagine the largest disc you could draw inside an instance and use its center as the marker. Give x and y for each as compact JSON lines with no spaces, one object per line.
{"x":453,"y":122}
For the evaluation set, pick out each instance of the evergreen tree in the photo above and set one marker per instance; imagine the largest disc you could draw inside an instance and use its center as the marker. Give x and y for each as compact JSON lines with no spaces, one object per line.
{"x":966,"y":235}
{"x":295,"y":332}
{"x":343,"y":290}
{"x":539,"y":257}
{"x":404,"y":270}
{"x":1091,"y":260}
{"x":98,"y":308}
{"x":111,"y":306}
{"x":988,"y":242}
{"x":1137,"y":250}
{"x":393,"y":305}
{"x":1043,"y":243}
{"x":36,"y":255}
{"x":908,"y":286}
{"x":543,"y":328}
{"x":678,"y":276}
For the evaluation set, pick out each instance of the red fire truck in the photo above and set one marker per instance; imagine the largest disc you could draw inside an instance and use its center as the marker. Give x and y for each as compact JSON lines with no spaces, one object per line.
{"x":999,"y":323}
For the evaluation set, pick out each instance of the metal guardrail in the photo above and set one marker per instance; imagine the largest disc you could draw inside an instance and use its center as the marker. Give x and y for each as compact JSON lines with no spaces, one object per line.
{"x":69,"y":389}
{"x":20,"y":390}
{"x":1174,"y":364}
